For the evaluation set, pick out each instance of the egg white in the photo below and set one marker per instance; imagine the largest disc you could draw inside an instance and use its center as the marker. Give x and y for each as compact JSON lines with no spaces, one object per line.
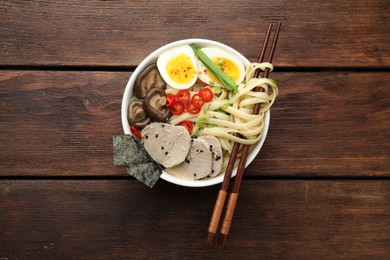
{"x":213,"y":52}
{"x":166,"y":56}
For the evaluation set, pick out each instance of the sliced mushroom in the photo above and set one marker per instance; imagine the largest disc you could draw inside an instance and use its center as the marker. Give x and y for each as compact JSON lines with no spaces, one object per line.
{"x":147,"y":79}
{"x":136,"y":114}
{"x":154,"y":105}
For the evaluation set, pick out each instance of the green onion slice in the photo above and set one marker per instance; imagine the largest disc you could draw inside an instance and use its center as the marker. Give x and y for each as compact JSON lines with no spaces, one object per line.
{"x":227,"y":82}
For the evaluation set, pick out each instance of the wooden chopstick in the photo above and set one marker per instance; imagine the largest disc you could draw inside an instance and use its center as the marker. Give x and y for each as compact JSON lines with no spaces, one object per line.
{"x":233,"y":196}
{"x":220,"y":201}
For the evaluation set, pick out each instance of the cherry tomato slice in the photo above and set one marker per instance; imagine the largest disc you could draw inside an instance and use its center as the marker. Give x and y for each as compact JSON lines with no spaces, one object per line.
{"x":183,"y":96}
{"x":170,"y":99}
{"x":206,"y":94}
{"x":188,"y":125}
{"x":191,"y":108}
{"x":135,"y":132}
{"x":197,"y":100}
{"x":177,"y":108}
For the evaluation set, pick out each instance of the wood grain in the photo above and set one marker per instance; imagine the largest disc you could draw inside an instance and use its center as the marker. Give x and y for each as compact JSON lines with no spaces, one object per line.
{"x":319,"y":189}
{"x":121,"y":33}
{"x":123,"y":219}
{"x":328,"y":124}
{"x":61,"y":123}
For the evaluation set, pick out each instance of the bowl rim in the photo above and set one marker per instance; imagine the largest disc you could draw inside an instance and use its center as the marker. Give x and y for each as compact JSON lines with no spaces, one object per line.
{"x":128,"y":93}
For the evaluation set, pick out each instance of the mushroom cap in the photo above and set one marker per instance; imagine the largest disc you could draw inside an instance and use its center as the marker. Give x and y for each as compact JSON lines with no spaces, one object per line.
{"x":147,"y":79}
{"x":136,"y":114}
{"x":154,"y":105}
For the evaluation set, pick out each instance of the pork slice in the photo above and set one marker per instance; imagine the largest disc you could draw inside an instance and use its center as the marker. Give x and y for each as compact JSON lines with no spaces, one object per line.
{"x":167,"y":144}
{"x":216,"y":151}
{"x":197,"y":164}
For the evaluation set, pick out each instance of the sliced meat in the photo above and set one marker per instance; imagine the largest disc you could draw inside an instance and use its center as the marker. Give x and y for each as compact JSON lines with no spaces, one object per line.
{"x":167,"y":144}
{"x":216,"y":150}
{"x":197,"y":164}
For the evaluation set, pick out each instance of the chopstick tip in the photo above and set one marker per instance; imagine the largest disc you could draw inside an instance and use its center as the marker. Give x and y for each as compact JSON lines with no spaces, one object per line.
{"x":209,"y":238}
{"x":222,"y":239}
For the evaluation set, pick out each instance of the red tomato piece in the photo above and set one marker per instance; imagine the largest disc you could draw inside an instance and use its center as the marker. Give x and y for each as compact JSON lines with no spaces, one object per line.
{"x":188,"y":125}
{"x":135,"y":132}
{"x":191,"y":108}
{"x":183,"y":96}
{"x":206,"y":94}
{"x":197,"y":100}
{"x":177,"y":108}
{"x":170,"y":99}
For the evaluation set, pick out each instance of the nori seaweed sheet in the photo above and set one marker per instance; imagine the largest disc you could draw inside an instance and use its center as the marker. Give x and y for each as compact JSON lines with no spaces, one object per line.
{"x":148,"y":173}
{"x":128,"y":151}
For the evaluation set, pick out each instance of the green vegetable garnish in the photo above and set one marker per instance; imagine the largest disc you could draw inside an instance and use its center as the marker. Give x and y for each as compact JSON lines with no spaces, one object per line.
{"x":200,"y":122}
{"x":221,"y":63}
{"x":222,"y":111}
{"x":225,"y":105}
{"x":272,"y":80}
{"x":227,"y":82}
{"x":216,"y":90}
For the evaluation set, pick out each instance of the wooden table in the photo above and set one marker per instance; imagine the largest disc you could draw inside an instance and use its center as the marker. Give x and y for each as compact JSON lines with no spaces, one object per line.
{"x":319,"y":189}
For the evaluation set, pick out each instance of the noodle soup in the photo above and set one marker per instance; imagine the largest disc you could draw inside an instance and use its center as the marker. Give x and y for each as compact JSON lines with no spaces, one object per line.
{"x":227,"y":115}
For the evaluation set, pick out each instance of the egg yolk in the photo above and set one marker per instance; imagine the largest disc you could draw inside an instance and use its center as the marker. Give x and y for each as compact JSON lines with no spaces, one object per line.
{"x":228,"y":67}
{"x":180,"y":69}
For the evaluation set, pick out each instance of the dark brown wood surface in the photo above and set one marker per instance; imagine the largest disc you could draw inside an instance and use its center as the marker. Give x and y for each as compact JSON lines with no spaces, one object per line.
{"x":121,"y":33}
{"x":319,"y":188}
{"x":323,"y":124}
{"x":109,"y":219}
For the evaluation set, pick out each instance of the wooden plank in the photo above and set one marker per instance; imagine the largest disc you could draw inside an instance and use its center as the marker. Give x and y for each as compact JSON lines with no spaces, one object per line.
{"x":274,"y":219}
{"x":61,"y":123}
{"x":121,"y":33}
{"x":328,"y":124}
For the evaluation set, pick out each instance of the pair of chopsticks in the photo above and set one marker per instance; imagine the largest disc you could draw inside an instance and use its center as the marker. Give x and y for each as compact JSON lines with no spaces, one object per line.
{"x":222,"y":194}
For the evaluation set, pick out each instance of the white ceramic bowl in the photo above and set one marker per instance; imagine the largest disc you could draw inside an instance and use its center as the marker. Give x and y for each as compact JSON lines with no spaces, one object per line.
{"x":129,"y":92}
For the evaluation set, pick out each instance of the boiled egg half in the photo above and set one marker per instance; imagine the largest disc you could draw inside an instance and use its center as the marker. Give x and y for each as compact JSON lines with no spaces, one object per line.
{"x":228,"y":63}
{"x":178,"y":67}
